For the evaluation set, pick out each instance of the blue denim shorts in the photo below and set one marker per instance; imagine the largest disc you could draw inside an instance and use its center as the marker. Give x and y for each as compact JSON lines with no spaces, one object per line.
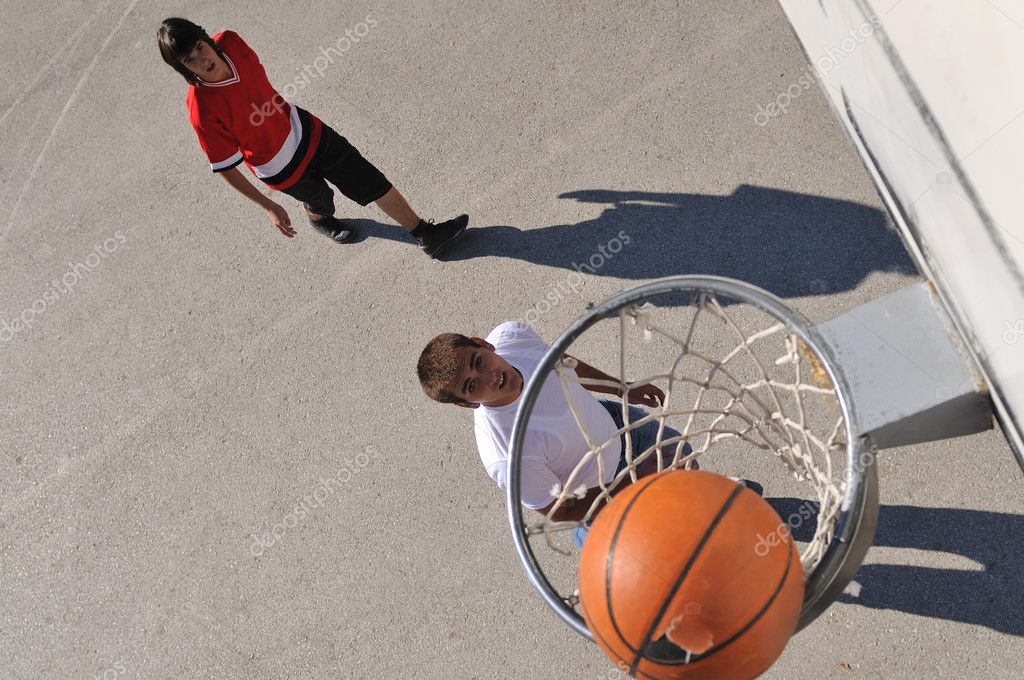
{"x":642,"y":437}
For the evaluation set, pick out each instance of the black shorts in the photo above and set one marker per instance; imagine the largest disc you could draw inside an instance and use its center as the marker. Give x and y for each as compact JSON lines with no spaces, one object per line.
{"x":338,"y":162}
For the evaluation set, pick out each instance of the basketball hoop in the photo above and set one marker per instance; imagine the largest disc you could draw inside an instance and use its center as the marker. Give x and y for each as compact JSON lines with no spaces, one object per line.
{"x":742,"y":373}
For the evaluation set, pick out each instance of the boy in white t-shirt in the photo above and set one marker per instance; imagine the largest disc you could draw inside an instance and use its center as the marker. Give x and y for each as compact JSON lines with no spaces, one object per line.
{"x":488,"y":375}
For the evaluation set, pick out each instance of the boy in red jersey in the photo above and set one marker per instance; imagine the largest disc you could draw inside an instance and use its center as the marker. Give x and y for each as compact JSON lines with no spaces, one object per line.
{"x":286,"y":147}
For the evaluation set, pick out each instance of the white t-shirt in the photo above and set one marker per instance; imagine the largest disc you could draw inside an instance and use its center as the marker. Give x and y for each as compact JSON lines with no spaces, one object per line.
{"x":554,"y":444}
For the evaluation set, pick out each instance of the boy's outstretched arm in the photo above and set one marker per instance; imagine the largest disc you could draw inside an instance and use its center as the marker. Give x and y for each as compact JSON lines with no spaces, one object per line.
{"x":648,"y":395}
{"x":278,"y":216}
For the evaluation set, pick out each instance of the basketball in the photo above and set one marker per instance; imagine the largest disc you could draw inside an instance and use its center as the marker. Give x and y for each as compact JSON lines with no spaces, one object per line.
{"x":677,"y":579}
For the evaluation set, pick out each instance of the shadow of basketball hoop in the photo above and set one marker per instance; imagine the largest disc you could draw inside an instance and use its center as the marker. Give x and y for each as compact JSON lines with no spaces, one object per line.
{"x":990,"y":596}
{"x":789,"y":243}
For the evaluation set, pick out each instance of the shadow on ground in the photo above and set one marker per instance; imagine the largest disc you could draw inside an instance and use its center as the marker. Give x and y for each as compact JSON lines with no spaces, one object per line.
{"x":789,"y":243}
{"x":991,"y":594}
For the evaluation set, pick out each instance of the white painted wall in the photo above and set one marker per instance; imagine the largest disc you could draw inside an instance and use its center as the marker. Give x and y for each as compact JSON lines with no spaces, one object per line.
{"x":934,"y":88}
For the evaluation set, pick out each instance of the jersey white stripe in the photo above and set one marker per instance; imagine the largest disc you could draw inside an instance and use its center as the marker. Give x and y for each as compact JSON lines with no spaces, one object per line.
{"x":287,"y":151}
{"x":228,"y":162}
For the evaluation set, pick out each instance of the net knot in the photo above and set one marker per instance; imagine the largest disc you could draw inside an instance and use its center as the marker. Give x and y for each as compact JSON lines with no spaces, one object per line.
{"x":642,"y":316}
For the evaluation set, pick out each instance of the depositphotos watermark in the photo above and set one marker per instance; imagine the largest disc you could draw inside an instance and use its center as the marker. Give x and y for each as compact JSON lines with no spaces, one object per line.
{"x":310,"y":72}
{"x":112,"y":672}
{"x":1013,"y":332}
{"x":805,"y":512}
{"x":73,"y":274}
{"x":569,"y":286}
{"x":314,"y":500}
{"x":831,"y":58}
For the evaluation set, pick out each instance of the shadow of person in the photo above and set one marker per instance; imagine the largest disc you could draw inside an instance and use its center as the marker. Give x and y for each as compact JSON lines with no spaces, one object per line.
{"x":367,"y":229}
{"x":789,"y":243}
{"x":989,"y":592}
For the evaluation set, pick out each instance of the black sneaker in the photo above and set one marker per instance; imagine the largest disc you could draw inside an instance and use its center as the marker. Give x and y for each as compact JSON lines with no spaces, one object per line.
{"x":440,"y":236}
{"x":337,"y":230}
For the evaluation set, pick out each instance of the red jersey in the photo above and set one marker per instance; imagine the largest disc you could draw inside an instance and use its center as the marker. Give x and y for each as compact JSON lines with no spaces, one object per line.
{"x":244,"y":119}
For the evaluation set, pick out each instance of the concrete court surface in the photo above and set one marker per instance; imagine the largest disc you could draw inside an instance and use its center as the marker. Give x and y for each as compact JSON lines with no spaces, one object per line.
{"x":190,"y":375}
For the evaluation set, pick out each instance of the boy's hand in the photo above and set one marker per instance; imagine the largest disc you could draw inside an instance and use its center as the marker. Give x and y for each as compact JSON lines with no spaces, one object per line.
{"x":277,"y":214}
{"x":279,"y":217}
{"x":646,"y":395}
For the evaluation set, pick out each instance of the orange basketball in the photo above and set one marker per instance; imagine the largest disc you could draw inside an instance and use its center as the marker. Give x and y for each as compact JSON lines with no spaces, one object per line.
{"x":681,"y":577}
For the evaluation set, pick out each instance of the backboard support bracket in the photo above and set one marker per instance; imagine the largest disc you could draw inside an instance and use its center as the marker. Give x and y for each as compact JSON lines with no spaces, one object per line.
{"x":911,"y":378}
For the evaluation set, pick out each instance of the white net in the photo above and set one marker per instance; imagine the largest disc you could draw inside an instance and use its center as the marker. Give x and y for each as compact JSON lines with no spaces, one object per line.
{"x":742,"y":395}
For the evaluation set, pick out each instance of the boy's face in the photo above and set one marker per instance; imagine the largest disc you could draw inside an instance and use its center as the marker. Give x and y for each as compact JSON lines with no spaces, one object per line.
{"x":206,"y":63}
{"x":485,"y":378}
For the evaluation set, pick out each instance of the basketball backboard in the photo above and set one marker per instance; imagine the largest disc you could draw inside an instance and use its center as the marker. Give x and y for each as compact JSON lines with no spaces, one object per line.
{"x":929,"y":95}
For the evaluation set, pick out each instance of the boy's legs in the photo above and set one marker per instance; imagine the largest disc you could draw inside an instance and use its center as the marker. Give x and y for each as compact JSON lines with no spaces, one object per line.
{"x":397,"y":208}
{"x":393,"y":204}
{"x":360,"y":181}
{"x":317,"y":200}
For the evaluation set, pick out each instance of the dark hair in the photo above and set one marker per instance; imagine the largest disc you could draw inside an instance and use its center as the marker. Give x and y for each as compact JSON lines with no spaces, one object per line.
{"x":176,"y":38}
{"x":439,"y":366}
